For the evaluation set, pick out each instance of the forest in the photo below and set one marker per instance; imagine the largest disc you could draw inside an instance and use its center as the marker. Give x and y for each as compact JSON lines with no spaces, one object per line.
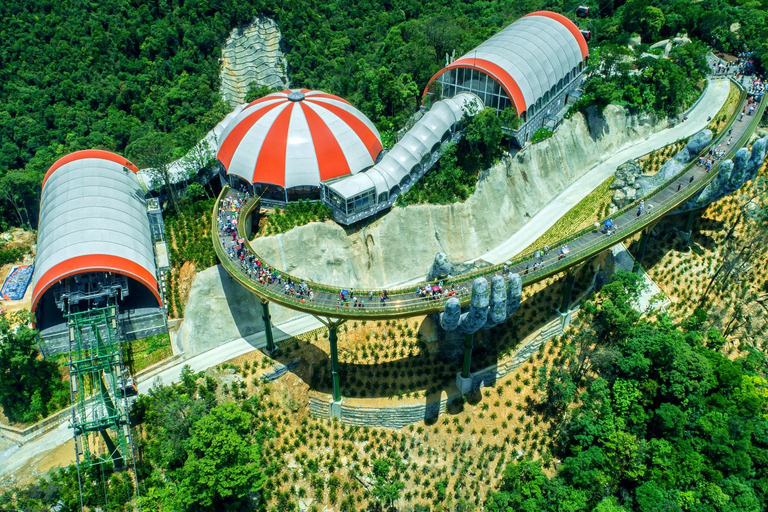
{"x":644,"y":413}
{"x":75,"y":75}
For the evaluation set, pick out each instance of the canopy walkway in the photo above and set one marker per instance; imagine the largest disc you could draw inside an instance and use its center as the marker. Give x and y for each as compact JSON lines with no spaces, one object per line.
{"x":405,"y":302}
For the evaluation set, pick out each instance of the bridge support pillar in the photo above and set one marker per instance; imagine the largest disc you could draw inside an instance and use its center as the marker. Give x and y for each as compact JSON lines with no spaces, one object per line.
{"x":464,"y":379}
{"x":267,"y":326}
{"x":688,"y":227}
{"x":565,"y":305}
{"x":644,"y":236}
{"x":334,"y":365}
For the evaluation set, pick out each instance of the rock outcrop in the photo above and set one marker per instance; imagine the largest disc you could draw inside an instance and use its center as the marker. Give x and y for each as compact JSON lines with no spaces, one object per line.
{"x":402,"y":244}
{"x":625,"y":190}
{"x":443,"y":267}
{"x":252,"y":56}
{"x":630,"y":183}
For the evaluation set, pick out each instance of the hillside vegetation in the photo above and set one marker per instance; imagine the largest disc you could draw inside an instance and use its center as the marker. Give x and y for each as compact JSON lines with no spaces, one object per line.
{"x":115,"y":73}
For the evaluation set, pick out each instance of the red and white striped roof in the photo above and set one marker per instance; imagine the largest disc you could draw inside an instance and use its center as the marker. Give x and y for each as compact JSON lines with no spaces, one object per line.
{"x":298,"y":138}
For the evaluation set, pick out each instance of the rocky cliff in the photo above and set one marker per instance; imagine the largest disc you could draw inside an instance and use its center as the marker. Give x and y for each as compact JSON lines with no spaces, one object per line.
{"x":402,"y":245}
{"x":252,"y":56}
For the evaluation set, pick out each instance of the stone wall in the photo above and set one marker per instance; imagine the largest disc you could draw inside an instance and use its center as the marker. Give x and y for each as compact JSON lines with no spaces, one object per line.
{"x":252,"y":56}
{"x":404,"y":415}
{"x":401,"y":245}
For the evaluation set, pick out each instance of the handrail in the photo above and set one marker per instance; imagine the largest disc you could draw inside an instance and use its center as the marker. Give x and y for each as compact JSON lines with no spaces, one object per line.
{"x":412,"y":305}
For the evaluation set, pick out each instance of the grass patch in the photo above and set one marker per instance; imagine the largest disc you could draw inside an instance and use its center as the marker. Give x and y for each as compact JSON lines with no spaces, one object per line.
{"x":721,"y":118}
{"x":142,"y":353}
{"x":296,"y":214}
{"x":591,"y":209}
{"x":188,"y":238}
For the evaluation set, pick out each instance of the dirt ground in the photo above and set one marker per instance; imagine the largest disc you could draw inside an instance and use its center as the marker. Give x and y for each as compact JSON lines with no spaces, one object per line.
{"x":185,"y":277}
{"x":59,"y":457}
{"x":474,"y":439}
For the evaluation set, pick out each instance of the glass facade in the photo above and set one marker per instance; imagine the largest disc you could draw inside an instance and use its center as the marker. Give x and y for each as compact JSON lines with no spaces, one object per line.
{"x":486,"y":88}
{"x":354,"y":204}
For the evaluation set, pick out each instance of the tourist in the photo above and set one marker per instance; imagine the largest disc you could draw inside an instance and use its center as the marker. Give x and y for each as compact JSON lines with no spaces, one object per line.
{"x":690,"y":180}
{"x":679,"y":186}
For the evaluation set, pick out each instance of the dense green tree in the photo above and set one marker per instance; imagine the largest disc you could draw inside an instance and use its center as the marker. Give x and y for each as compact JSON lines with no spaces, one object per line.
{"x":663,"y":420}
{"x":222,"y":470}
{"x":30,"y":386}
{"x":387,"y":476}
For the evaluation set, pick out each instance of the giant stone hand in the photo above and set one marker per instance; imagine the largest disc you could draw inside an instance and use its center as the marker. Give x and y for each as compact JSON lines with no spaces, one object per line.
{"x":487,"y":307}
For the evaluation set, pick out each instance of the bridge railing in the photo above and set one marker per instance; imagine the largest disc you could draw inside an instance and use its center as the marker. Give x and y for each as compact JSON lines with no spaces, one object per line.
{"x":411,"y":304}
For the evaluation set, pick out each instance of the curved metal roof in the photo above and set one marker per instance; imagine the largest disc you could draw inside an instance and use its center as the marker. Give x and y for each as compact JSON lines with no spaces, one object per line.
{"x":92,"y":218}
{"x":411,"y":149}
{"x":528,"y":57}
{"x":298,"y":138}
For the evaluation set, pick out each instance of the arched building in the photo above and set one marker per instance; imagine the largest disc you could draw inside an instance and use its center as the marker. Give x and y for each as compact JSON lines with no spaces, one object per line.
{"x":93,"y":238}
{"x":532,"y":65}
{"x":287,"y":142}
{"x":353,"y":198}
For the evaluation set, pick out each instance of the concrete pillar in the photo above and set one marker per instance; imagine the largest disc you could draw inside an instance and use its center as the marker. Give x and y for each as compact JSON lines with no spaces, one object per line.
{"x":644,"y":236}
{"x":688,"y":227}
{"x":463,"y":378}
{"x":468,"y":340}
{"x":267,"y":326}
{"x":334,"y":363}
{"x":565,"y":305}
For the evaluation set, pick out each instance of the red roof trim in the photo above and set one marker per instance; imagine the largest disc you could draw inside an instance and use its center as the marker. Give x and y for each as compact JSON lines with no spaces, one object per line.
{"x":369,"y":138}
{"x":89,"y":153}
{"x":235,"y":137}
{"x":495,"y":71}
{"x":94,"y":263}
{"x":571,"y":26}
{"x":270,"y":164}
{"x":331,"y":161}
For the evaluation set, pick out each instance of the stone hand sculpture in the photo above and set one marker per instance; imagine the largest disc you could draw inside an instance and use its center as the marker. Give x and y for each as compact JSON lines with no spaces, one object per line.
{"x":488,"y":306}
{"x":731,"y":175}
{"x":695,"y":145}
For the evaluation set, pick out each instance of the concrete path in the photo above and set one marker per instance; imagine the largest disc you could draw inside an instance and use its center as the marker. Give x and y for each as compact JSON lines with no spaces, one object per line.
{"x":200,"y":362}
{"x":708,"y":106}
{"x":232,"y":349}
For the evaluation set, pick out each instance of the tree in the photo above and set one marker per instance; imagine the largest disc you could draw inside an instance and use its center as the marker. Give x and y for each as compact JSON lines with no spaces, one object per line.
{"x":222,"y":470}
{"x":30,"y":386}
{"x":154,"y":151}
{"x":387,"y":474}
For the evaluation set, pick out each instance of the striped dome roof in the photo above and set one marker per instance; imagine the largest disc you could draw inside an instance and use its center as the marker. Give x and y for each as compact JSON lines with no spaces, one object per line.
{"x":298,"y":138}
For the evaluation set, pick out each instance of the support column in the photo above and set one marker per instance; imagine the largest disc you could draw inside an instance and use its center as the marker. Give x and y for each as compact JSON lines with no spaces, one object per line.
{"x":334,"y":362}
{"x":688,"y":227}
{"x":463,"y":379}
{"x":267,"y":326}
{"x":468,"y":342}
{"x":644,"y":236}
{"x":565,"y":305}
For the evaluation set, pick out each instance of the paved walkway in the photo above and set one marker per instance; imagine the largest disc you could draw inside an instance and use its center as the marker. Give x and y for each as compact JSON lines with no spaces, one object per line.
{"x":292,"y":292}
{"x":63,"y":433}
{"x":708,"y":106}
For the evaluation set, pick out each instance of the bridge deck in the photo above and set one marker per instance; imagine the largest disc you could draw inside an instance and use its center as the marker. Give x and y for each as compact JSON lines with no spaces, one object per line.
{"x":404,"y":302}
